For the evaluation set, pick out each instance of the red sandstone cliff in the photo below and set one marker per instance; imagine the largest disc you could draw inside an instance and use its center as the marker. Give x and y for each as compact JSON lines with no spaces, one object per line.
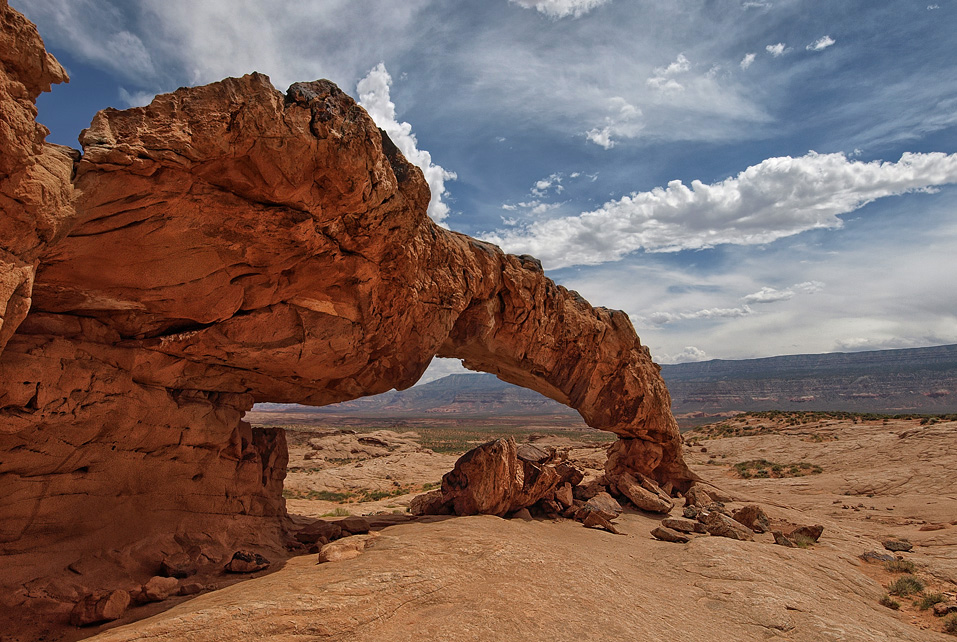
{"x":231,"y":245}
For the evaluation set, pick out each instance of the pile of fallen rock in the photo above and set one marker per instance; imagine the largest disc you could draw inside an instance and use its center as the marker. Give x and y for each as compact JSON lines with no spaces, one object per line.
{"x":175,"y":577}
{"x":525,"y":481}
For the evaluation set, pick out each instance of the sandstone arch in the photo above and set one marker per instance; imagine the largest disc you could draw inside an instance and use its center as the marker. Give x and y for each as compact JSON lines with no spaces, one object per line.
{"x":226,"y":245}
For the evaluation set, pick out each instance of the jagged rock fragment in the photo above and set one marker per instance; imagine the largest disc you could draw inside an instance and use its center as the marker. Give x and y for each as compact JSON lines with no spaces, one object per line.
{"x":247,"y":562}
{"x":782,"y":540}
{"x":808,"y":533}
{"x":597,"y":520}
{"x":100,"y":606}
{"x":666,"y":534}
{"x":754,"y":517}
{"x":683,"y":525}
{"x":645,"y":496}
{"x":603,"y":504}
{"x":721,"y":525}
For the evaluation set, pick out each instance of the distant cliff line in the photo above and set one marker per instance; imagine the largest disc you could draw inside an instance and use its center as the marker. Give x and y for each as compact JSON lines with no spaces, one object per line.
{"x":912,"y":380}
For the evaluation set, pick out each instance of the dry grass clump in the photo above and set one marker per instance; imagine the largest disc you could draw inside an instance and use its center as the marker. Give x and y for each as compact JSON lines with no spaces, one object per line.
{"x":889,"y":602}
{"x":900,"y":565}
{"x":905,"y":585}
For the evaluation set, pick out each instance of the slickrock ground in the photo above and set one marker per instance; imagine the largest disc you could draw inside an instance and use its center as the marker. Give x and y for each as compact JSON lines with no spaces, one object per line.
{"x":486,"y":578}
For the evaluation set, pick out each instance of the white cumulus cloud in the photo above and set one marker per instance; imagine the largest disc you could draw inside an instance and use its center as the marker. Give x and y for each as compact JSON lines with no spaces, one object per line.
{"x":748,"y":60}
{"x":687,"y":355}
{"x":375,"y":99}
{"x":777,"y":50}
{"x":776,"y":198}
{"x":821,"y":44}
{"x":561,"y":8}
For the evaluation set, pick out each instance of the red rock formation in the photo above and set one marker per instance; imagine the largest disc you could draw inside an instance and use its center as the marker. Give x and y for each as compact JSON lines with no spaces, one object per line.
{"x":234,"y":245}
{"x":35,"y":191}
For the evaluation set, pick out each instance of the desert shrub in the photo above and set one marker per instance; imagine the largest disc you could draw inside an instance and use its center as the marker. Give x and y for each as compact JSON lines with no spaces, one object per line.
{"x":929,"y":599}
{"x":889,"y":602}
{"x":950,"y":624}
{"x":905,"y":585}
{"x":900,"y":566}
{"x":767,"y":469}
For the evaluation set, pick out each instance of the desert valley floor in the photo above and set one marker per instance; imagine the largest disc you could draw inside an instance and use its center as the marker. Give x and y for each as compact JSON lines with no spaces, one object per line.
{"x":485,"y":578}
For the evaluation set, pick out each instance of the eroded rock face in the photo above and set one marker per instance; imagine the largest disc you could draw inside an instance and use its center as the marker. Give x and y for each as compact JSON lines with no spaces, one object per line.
{"x":226,"y":245}
{"x":35,"y":190}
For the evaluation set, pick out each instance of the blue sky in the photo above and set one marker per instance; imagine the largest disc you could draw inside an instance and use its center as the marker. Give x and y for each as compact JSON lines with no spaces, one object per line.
{"x":743,"y":178}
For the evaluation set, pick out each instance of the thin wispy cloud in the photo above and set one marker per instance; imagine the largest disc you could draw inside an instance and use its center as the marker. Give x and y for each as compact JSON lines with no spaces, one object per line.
{"x":748,"y":60}
{"x":623,"y":122}
{"x":374,"y":96}
{"x":776,"y":198}
{"x":821,"y":44}
{"x":772,"y":295}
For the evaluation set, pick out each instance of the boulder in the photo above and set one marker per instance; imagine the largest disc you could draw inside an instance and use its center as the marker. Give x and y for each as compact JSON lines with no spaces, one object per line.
{"x":876,"y":557}
{"x":191,"y":588}
{"x":807,"y":533}
{"x":430,"y":503}
{"x":354,"y":525}
{"x":754,"y":517}
{"x":247,"y":562}
{"x":158,"y":589}
{"x":603,"y":504}
{"x":645,"y":496}
{"x":942,"y":609}
{"x":697,"y":496}
{"x":179,"y":565}
{"x":666,"y":534}
{"x":491,"y":480}
{"x":100,"y":606}
{"x":721,"y":525}
{"x":897,"y":545}
{"x":319,"y":531}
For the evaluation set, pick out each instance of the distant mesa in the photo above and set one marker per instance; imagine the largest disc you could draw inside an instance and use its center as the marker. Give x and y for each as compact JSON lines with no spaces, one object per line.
{"x":905,"y":381}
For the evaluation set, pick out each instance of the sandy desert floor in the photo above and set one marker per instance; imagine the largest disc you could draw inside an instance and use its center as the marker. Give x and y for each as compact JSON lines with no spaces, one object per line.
{"x":486,"y":578}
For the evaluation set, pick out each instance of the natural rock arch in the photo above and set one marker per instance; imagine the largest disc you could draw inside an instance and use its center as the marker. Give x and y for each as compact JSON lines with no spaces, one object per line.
{"x":227,"y":245}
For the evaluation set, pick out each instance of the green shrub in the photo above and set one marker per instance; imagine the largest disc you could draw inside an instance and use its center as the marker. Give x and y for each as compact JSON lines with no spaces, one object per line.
{"x":950,"y":624}
{"x":905,"y":585}
{"x":889,"y":602}
{"x":900,"y":566}
{"x":929,"y":599}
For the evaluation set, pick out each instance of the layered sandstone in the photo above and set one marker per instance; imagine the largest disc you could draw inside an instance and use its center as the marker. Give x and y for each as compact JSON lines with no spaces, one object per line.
{"x":232,"y":244}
